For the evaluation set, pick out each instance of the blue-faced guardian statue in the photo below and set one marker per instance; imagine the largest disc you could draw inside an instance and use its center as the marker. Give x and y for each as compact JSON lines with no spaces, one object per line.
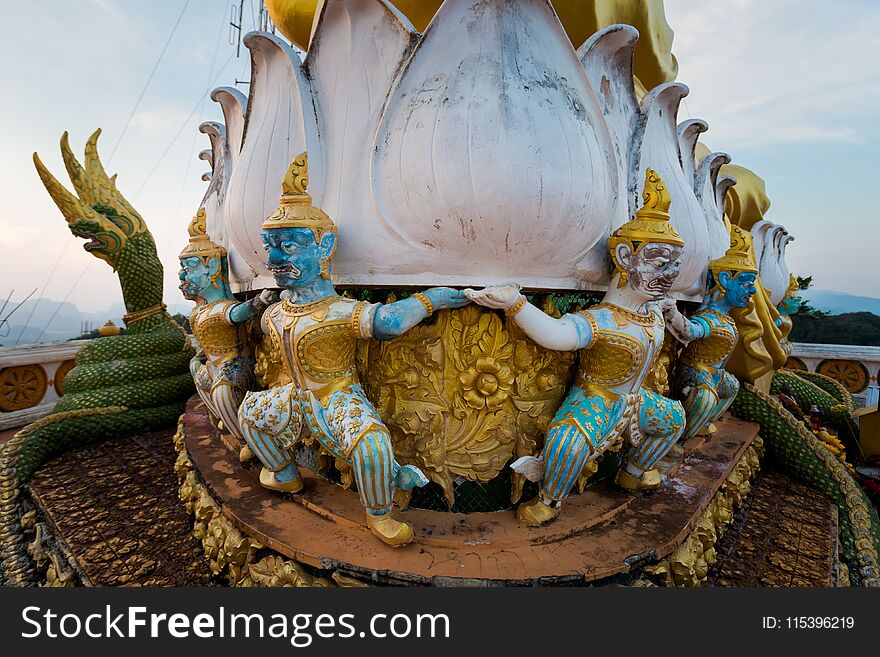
{"x":710,"y":335}
{"x":315,"y":330}
{"x":223,"y":367}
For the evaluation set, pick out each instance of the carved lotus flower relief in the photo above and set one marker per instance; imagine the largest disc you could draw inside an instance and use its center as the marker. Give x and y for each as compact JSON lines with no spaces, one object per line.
{"x":487,"y":384}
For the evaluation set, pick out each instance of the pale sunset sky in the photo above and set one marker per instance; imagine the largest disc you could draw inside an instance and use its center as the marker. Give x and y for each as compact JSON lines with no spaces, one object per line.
{"x":790,"y":88}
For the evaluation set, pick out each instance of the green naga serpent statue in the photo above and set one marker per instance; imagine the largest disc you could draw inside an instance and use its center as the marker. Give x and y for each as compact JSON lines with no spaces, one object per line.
{"x":794,"y":447}
{"x":121,"y":385}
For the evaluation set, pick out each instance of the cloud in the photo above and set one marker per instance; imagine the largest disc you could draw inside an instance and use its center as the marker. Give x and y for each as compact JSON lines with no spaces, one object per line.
{"x":766,"y":73}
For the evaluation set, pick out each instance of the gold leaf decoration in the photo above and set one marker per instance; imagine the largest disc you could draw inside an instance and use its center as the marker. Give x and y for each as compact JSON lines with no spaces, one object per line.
{"x":276,"y":571}
{"x":465,"y":394}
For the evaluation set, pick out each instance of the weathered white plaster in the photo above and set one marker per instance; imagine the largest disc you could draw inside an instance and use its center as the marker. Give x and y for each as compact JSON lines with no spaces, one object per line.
{"x":485,"y":151}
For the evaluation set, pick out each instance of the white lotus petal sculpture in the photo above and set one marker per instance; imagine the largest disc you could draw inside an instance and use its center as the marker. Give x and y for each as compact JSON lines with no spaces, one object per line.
{"x":656,"y":145}
{"x":706,"y":186}
{"x":494,"y":163}
{"x":358,"y":50}
{"x":607,"y":58}
{"x":688,"y":135}
{"x":281,"y":122}
{"x":770,"y":242}
{"x":482,"y":151}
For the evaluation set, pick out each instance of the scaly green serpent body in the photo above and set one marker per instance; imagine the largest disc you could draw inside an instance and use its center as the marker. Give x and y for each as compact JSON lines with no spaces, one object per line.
{"x":793,"y":446}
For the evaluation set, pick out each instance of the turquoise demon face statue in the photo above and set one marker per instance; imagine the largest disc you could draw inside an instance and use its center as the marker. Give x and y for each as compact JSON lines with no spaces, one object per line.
{"x":790,"y":304}
{"x":197,"y":277}
{"x":738,"y":287}
{"x":295,"y":259}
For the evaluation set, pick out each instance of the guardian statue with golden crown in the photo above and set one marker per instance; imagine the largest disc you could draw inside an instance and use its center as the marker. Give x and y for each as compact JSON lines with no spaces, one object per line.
{"x":710,"y":336}
{"x":223,"y":368}
{"x":315,"y":331}
{"x":618,"y":341}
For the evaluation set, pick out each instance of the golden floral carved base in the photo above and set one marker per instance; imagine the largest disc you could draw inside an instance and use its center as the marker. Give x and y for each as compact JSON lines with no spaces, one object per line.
{"x":688,"y":565}
{"x":465,"y":393}
{"x":230,"y":553}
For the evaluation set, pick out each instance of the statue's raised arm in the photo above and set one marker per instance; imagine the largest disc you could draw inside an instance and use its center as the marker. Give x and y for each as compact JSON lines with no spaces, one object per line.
{"x":619,"y":339}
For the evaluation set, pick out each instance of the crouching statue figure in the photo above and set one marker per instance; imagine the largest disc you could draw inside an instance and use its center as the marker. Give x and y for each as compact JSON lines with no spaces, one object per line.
{"x":710,"y":335}
{"x":618,"y":340}
{"x":315,"y":331}
{"x":223,"y":369}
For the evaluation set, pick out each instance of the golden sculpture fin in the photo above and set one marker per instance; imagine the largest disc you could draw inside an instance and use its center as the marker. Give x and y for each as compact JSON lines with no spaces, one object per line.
{"x":200,"y":243}
{"x":738,"y":257}
{"x":72,"y":209}
{"x":296,"y":180}
{"x":655,"y":196}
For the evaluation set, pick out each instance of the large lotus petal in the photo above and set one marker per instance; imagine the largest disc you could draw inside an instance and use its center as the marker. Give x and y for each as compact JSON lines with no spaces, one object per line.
{"x":688,"y":135}
{"x":225,"y":149}
{"x":358,"y":48}
{"x":722,"y":187}
{"x":492,"y":161}
{"x":233,"y":103}
{"x":281,"y":122}
{"x":607,"y":58}
{"x":656,"y":145}
{"x":770,"y":241}
{"x":706,"y":185}
{"x":215,"y":195}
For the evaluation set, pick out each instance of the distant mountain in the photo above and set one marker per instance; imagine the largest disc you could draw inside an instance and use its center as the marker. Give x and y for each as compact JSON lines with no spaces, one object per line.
{"x":847,"y":328}
{"x":44,"y":320}
{"x":838,"y":303}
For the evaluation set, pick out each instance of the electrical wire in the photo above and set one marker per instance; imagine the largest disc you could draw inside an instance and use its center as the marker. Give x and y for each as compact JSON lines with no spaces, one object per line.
{"x":147,"y":83}
{"x":182,"y":126}
{"x":173,"y":223}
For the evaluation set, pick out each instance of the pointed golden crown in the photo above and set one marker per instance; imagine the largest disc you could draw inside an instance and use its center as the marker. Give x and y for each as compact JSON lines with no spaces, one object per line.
{"x":200,"y":245}
{"x":793,"y":286}
{"x":651,"y":223}
{"x":295,"y":208}
{"x":739,"y":256}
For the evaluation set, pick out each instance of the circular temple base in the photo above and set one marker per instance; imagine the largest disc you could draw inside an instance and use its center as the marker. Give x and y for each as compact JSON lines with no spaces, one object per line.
{"x":603,"y":533}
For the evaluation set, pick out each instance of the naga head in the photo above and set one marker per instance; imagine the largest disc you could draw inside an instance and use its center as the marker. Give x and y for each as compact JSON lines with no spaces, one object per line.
{"x":203,"y":264}
{"x":646,"y":250}
{"x":98,"y":212}
{"x":734,"y":276}
{"x":299,"y":238}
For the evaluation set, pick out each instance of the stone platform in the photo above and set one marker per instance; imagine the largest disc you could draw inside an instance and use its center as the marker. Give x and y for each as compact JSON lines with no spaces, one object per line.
{"x":601,"y":534}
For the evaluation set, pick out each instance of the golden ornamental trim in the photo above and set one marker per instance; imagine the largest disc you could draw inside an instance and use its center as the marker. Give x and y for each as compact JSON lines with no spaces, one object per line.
{"x":465,"y":394}
{"x":688,"y":564}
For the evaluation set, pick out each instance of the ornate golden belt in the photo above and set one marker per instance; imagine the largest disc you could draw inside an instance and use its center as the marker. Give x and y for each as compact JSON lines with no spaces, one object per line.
{"x":592,"y":390}
{"x":324,"y":392}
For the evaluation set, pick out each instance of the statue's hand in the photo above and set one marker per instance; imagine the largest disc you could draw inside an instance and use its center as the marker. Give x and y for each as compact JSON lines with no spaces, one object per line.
{"x":495,"y":296}
{"x":446,"y":297}
{"x":269,"y":296}
{"x":667,"y":307}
